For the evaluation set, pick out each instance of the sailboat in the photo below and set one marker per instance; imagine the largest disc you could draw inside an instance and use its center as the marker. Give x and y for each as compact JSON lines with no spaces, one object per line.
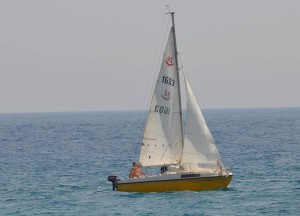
{"x":188,"y":158}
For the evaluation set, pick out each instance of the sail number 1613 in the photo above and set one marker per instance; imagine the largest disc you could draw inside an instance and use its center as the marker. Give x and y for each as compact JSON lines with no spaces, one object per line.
{"x":168,"y":80}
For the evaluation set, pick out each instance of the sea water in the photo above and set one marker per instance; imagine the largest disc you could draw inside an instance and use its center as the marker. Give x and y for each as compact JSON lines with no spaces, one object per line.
{"x":58,"y":163}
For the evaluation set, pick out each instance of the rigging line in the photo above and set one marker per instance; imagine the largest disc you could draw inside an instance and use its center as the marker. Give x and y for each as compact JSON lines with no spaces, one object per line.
{"x":143,"y":116}
{"x":179,"y":57}
{"x":156,"y":71}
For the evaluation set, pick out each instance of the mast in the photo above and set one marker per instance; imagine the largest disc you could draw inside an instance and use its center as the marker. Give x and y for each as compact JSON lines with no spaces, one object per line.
{"x":177,"y":69}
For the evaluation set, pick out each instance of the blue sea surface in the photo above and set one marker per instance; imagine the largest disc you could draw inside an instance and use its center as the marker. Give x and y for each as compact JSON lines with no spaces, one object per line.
{"x":58,"y":163}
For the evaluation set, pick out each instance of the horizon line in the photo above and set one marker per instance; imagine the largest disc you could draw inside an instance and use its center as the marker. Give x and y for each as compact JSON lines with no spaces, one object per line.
{"x":138,"y":110}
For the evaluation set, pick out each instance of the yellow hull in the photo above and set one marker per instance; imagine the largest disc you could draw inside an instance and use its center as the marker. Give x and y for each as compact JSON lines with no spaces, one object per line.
{"x":193,"y":184}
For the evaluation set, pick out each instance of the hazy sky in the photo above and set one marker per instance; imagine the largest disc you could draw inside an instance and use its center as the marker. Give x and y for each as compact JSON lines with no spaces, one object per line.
{"x":97,"y":55}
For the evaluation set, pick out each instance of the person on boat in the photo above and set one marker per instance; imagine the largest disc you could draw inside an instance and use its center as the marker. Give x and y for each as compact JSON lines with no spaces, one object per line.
{"x":136,"y":171}
{"x":163,"y":169}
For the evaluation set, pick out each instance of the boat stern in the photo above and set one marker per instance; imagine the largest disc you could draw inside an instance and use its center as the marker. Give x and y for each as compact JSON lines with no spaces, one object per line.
{"x":113,"y":180}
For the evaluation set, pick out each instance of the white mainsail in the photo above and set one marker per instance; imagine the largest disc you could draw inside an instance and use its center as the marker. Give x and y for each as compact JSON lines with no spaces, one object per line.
{"x":162,"y":140}
{"x":199,"y":149}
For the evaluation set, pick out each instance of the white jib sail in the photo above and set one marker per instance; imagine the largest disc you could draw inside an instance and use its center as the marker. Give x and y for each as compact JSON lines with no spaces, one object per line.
{"x":199,"y":151}
{"x":162,"y":140}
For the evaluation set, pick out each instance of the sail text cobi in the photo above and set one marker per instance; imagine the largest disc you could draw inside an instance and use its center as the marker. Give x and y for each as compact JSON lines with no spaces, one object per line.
{"x":162,"y":110}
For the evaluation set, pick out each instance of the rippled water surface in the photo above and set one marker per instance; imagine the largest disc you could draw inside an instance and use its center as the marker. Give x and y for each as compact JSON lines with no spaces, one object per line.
{"x":58,"y":163}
